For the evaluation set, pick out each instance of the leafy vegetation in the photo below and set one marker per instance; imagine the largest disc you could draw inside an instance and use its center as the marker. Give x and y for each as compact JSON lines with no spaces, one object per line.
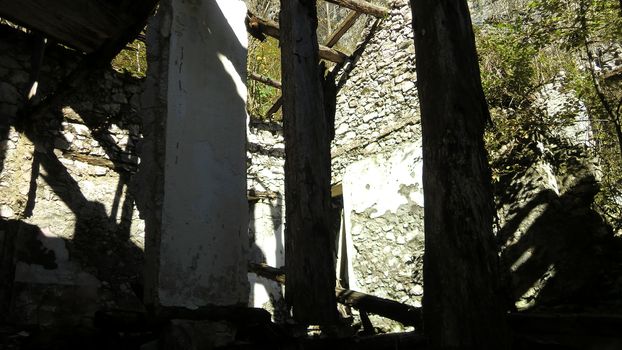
{"x":571,"y":45}
{"x":132,"y":59}
{"x":264,"y":57}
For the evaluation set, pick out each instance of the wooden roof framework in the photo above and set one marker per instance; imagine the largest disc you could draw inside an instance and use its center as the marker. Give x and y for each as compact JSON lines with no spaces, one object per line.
{"x":102,"y":45}
{"x":259,"y":28}
{"x":100,"y":29}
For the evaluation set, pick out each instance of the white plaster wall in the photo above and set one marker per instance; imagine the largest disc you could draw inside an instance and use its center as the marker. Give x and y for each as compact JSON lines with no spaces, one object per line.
{"x":267,"y":233}
{"x":266,"y":158}
{"x":375,"y":183}
{"x":205,"y":211}
{"x":383,"y":214}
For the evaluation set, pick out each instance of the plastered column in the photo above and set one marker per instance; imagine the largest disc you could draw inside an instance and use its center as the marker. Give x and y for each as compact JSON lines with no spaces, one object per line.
{"x":193,"y":183}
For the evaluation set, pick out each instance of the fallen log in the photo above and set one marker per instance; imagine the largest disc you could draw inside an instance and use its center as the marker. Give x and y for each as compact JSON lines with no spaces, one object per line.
{"x":405,"y":314}
{"x":343,"y":28}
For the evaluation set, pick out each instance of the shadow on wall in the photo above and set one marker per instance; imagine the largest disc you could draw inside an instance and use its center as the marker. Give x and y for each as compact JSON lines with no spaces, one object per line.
{"x":100,"y":250}
{"x":45,"y":277}
{"x":558,"y":252}
{"x":40,"y":284}
{"x":266,"y":233}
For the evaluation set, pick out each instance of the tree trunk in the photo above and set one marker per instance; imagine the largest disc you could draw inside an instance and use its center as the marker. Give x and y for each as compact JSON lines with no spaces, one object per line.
{"x":462,"y":304}
{"x":310,"y":290}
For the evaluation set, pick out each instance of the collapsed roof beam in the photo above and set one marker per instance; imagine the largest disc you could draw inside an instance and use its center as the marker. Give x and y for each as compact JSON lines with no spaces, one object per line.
{"x":403,"y":313}
{"x":259,"y":27}
{"x":265,"y":80}
{"x":343,"y":28}
{"x":94,"y":60}
{"x":332,"y":40}
{"x":362,"y":7}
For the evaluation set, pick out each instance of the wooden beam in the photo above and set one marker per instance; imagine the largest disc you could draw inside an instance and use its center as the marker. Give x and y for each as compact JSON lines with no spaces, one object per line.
{"x":36,"y":61}
{"x":461,"y":260}
{"x":362,"y":6}
{"x":267,"y":271}
{"x":93,"y":61}
{"x":332,"y":40}
{"x":265,"y":80}
{"x":335,"y":56}
{"x":405,"y":314}
{"x":82,"y":24}
{"x":309,"y":239}
{"x":253,"y":195}
{"x":336,"y":190}
{"x":276,"y":106}
{"x":258,"y":27}
{"x":343,"y":28}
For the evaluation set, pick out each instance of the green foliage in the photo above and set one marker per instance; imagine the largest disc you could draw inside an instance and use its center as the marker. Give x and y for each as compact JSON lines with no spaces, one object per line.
{"x":264,"y":58}
{"x":132,"y":59}
{"x":546,"y":41}
{"x":569,"y":23}
{"x":507,"y":65}
{"x":512,"y":70}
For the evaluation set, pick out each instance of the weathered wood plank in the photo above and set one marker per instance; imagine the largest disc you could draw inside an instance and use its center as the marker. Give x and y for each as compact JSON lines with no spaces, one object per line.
{"x":462,"y":306}
{"x":81,"y":24}
{"x":308,"y":238}
{"x":362,"y":6}
{"x":97,"y":59}
{"x":343,"y":28}
{"x":332,"y":55}
{"x":257,"y":26}
{"x":266,"y":80}
{"x":267,"y":271}
{"x":333,"y":39}
{"x":406,"y":314}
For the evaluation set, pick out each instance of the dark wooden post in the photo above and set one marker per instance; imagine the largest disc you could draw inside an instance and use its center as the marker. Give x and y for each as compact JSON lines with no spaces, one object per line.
{"x":462,"y":307}
{"x":310,"y":286}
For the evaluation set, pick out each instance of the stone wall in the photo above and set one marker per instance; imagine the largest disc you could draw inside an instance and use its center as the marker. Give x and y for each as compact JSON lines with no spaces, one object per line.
{"x":377,"y":105}
{"x":554,"y":245}
{"x":377,"y":156}
{"x":266,"y":160}
{"x":69,"y":230}
{"x":70,"y":234}
{"x":557,"y":252}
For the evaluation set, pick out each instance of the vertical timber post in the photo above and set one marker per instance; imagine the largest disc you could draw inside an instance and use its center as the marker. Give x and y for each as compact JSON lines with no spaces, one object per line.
{"x":462,"y":305}
{"x":310,"y":284}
